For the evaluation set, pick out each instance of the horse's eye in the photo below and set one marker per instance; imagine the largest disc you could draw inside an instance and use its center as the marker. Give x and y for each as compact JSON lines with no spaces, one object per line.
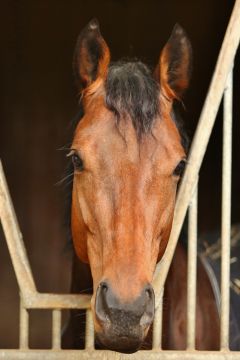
{"x":77,"y":162}
{"x":180,"y":168}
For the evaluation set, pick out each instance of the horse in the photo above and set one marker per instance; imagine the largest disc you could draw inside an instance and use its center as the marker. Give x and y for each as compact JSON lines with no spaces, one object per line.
{"x":128,"y":155}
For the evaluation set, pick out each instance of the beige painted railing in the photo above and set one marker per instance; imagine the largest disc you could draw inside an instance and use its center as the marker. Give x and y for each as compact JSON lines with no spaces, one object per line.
{"x":30,"y":298}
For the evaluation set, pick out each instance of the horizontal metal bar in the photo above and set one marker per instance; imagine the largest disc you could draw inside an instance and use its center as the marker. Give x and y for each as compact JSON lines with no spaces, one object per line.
{"x":36,"y":300}
{"x":110,"y":355}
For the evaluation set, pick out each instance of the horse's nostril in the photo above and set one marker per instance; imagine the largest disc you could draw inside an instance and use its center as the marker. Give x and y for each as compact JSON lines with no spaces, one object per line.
{"x":103,"y":286}
{"x":148,"y":314}
{"x":110,"y":310}
{"x":149,"y":292}
{"x":101,"y":306}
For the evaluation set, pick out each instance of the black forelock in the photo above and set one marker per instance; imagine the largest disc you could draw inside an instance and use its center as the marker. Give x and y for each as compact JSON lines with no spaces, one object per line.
{"x":132,"y":91}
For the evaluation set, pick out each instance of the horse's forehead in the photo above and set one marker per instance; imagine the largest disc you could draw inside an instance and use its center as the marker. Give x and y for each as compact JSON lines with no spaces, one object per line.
{"x":102,"y":134}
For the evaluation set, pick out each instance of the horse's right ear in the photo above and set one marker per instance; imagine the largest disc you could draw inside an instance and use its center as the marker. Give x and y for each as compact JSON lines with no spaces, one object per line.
{"x":91,"y":55}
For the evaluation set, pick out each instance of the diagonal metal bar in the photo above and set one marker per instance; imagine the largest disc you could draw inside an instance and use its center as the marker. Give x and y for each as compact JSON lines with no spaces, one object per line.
{"x":30,"y":297}
{"x":14,"y":239}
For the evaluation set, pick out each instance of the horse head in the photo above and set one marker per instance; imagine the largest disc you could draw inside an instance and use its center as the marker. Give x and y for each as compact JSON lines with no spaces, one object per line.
{"x":128,"y":158}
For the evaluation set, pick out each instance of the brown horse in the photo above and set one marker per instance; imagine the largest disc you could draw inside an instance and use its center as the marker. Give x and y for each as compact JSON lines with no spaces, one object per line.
{"x":128,"y":156}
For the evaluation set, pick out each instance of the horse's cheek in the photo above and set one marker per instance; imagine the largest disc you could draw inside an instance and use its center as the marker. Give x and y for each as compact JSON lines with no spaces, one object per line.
{"x":164,"y":239}
{"x":79,"y":232}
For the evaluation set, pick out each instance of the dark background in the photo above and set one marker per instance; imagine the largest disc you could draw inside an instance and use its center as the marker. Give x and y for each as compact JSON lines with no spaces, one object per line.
{"x":38,"y":101}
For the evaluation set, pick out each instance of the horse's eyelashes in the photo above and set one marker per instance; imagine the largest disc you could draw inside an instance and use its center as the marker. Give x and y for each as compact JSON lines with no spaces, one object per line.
{"x":180,"y":168}
{"x":77,"y":162}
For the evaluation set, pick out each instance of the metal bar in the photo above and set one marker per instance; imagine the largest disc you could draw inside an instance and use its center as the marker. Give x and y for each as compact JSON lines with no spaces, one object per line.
{"x":89,"y":337}
{"x":30,"y":297}
{"x":23,"y":327}
{"x":226,"y":211}
{"x":157,"y":326}
{"x":110,"y":355}
{"x":192,"y":272}
{"x":14,"y":238}
{"x":56,"y":329}
{"x":36,"y":300}
{"x":201,"y":138}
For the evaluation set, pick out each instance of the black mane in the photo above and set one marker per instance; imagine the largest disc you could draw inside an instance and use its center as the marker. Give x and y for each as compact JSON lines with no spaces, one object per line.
{"x":132,"y":91}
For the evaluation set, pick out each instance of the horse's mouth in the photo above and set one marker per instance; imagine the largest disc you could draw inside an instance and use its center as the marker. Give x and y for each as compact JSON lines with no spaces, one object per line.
{"x":122,"y":344}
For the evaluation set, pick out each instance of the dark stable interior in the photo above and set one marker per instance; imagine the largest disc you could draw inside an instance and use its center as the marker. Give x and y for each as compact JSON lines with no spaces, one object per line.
{"x":39,"y":100}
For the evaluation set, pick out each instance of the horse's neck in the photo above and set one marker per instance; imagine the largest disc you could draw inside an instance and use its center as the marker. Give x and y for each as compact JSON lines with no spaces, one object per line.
{"x":175,"y":307}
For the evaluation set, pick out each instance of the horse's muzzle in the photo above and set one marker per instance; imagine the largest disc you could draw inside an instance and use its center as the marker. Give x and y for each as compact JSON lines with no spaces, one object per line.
{"x":124,"y":325}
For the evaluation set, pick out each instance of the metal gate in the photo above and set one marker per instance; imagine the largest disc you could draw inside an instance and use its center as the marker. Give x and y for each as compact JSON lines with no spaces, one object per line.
{"x":221,"y":86}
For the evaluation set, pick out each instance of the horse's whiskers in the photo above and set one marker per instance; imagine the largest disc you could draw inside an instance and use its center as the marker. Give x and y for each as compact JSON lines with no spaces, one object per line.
{"x":60,"y":182}
{"x":65,"y":147}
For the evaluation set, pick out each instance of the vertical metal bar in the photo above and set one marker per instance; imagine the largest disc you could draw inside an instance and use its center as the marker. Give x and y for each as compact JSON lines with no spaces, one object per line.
{"x":192,"y":271}
{"x":226,"y":211}
{"x":157,"y":326}
{"x":23,"y":326}
{"x":89,"y":338}
{"x":56,"y":329}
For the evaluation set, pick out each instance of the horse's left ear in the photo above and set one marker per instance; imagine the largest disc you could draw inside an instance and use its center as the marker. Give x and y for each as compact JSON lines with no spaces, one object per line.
{"x":175,"y":64}
{"x":91,"y":55}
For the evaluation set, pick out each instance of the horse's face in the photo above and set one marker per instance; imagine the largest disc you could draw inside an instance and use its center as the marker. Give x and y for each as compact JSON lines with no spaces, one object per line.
{"x":128,"y":158}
